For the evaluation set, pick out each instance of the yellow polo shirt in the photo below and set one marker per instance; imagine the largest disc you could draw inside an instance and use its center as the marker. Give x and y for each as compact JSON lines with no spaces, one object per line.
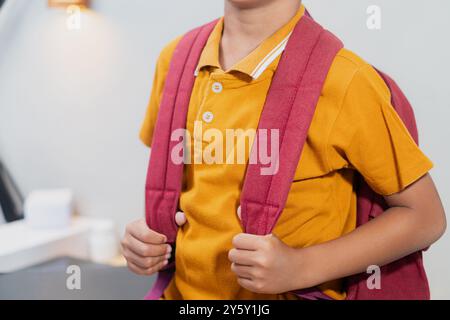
{"x":355,"y":128}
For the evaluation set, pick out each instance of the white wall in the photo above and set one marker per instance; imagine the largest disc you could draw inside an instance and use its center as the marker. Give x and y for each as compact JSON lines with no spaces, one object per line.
{"x":71,"y":103}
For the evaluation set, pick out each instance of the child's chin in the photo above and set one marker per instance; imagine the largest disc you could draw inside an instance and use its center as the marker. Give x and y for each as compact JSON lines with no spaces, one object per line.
{"x":248,"y":4}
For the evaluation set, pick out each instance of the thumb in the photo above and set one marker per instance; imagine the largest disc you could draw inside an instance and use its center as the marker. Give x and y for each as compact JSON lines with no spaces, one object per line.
{"x":143,"y":233}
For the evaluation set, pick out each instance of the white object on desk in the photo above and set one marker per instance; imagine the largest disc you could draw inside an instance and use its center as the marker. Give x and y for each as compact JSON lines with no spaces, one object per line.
{"x":49,"y":208}
{"x":103,"y":241}
{"x":22,"y":246}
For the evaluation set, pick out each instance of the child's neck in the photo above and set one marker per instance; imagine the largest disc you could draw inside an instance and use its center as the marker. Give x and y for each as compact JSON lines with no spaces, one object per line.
{"x":246,"y":27}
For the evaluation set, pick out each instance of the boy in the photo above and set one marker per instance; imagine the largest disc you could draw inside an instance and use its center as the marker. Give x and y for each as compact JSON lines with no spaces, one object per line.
{"x":315,"y":241}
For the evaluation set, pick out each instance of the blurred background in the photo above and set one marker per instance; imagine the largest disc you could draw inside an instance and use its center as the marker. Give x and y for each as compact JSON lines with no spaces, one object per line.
{"x":74,"y":86}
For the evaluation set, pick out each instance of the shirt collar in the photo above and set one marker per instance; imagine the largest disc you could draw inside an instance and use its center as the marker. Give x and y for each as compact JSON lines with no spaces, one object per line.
{"x":259,"y":59}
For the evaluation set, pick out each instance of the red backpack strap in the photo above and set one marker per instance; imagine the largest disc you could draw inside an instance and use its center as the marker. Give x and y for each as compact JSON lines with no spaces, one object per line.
{"x":289,"y":108}
{"x":164,"y":177}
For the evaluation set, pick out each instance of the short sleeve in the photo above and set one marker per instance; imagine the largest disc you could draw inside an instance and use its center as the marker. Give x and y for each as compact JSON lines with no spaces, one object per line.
{"x":162,"y":67}
{"x":369,"y":136}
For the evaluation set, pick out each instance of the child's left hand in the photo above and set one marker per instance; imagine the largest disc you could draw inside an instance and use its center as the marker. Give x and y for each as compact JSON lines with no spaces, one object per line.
{"x":264,"y":264}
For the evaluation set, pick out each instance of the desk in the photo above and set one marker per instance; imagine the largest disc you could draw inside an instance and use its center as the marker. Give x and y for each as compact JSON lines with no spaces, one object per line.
{"x":22,"y":246}
{"x":48,"y":281}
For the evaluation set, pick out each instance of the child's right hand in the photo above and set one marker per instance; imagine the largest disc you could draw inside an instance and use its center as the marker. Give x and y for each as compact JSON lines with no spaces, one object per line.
{"x":145,"y":250}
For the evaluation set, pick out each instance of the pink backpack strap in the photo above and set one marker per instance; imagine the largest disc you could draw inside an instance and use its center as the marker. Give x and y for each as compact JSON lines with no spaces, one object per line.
{"x":289,"y":108}
{"x":164,"y":177}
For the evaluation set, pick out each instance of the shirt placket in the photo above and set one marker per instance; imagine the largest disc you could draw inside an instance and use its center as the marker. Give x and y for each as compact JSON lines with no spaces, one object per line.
{"x":207,"y":115}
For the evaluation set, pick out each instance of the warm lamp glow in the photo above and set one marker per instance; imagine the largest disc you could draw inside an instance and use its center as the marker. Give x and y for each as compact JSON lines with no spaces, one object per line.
{"x":66,"y":3}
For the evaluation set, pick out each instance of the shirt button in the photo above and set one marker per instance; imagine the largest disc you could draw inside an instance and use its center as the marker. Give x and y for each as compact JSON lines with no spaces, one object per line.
{"x":217,"y":87}
{"x":208,"y":116}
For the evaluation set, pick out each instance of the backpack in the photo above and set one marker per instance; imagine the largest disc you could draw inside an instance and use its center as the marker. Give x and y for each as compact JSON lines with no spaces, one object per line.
{"x":289,"y":107}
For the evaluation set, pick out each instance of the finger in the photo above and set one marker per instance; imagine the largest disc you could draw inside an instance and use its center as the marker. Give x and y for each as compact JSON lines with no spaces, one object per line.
{"x":144,"y":262}
{"x":146,"y":271}
{"x":143,"y":233}
{"x":136,"y":269}
{"x":146,"y":250}
{"x":246,"y":283}
{"x":242,"y":271}
{"x":243,"y":257}
{"x":246,"y":241}
{"x":180,"y":218}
